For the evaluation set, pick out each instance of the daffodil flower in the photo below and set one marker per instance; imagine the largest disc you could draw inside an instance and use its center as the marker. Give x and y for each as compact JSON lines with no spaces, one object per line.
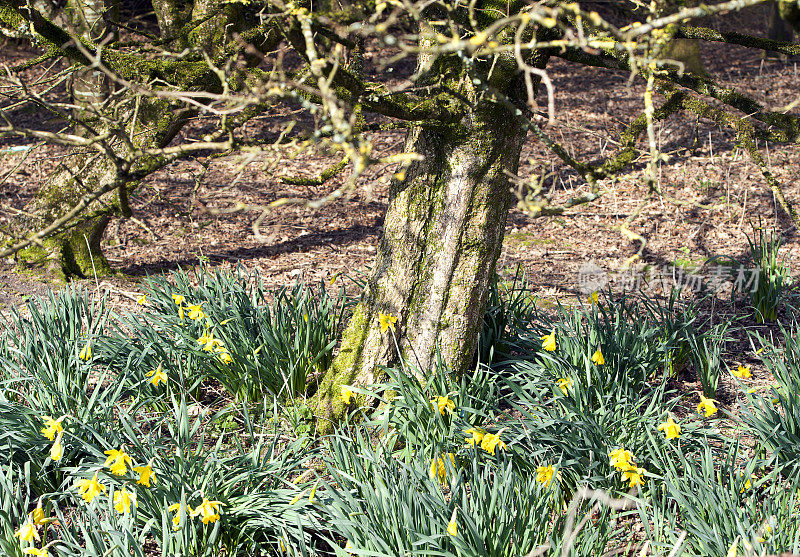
{"x":142,"y":300}
{"x":224,"y":356}
{"x":592,"y":299}
{"x":671,"y":429}
{"x":491,"y":441}
{"x":38,"y":516}
{"x":346,"y":394}
{"x":52,"y":427}
{"x":544,"y":474}
{"x":549,"y":341}
{"x":439,"y":468}
{"x":117,"y":460}
{"x":386,"y":321}
{"x":36,"y":552}
{"x":452,"y":527}
{"x":90,"y":488}
{"x":747,"y":483}
{"x":444,"y":404}
{"x":123,"y":500}
{"x":742,"y":372}
{"x":597,"y":358}
{"x":209,"y":342}
{"x":313,"y":492}
{"x":178,"y":299}
{"x":196,"y":311}
{"x":476,"y":436}
{"x":620,"y":458}
{"x":86,"y":352}
{"x":176,"y":520}
{"x":156,"y":376}
{"x":27,"y":533}
{"x":634,"y":476}
{"x":146,"y":474}
{"x":707,"y":405}
{"x":57,"y":450}
{"x":209,"y":511}
{"x":565,"y":384}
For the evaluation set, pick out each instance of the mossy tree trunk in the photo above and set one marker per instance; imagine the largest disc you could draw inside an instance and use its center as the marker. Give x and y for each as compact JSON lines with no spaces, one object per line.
{"x":76,"y":252}
{"x":442,"y":236}
{"x":687,"y":52}
{"x":779,"y":28}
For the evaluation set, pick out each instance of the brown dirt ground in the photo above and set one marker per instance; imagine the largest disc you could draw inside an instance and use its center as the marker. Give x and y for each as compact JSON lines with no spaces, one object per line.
{"x":173,"y":230}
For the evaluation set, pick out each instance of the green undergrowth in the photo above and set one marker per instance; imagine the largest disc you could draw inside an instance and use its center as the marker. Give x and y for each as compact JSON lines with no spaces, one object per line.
{"x":182,"y":429}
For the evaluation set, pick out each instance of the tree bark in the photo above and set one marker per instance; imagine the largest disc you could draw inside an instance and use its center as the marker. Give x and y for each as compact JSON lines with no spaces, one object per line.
{"x":76,"y":252}
{"x":442,"y":236}
{"x":687,"y":52}
{"x":779,"y":29}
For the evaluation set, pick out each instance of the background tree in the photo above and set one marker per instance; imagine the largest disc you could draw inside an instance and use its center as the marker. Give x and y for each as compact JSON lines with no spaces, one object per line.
{"x":468,"y":105}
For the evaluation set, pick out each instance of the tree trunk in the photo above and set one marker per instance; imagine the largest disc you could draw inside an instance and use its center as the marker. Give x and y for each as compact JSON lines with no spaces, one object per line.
{"x":779,"y":29}
{"x":76,"y":252}
{"x":687,"y":52}
{"x":442,"y":236}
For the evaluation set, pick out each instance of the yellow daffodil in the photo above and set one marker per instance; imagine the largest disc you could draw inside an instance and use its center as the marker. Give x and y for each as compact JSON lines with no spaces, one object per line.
{"x":491,"y":441}
{"x":38,"y":516}
{"x":224,"y":356}
{"x":297,"y":497}
{"x":386,"y":321}
{"x":146,"y":474}
{"x":156,"y":376}
{"x":346,"y":394}
{"x":313,"y":492}
{"x":439,"y":468}
{"x":593,"y":298}
{"x":142,"y":300}
{"x":747,"y":483}
{"x":57,"y":450}
{"x":176,"y":520}
{"x":305,"y":317}
{"x":544,"y":474}
{"x":196,"y":311}
{"x":209,"y":511}
{"x":707,"y":405}
{"x":52,"y":427}
{"x":37,"y":552}
{"x":597,"y":358}
{"x":766,"y":530}
{"x":565,"y":384}
{"x":733,"y":550}
{"x":348,"y":547}
{"x":208,"y":342}
{"x":634,"y":475}
{"x":117,"y":460}
{"x":90,"y":488}
{"x":444,"y":404}
{"x":742,"y":372}
{"x":549,"y":341}
{"x":620,"y":458}
{"x":86,"y":352}
{"x":123,"y":500}
{"x":452,"y":527}
{"x":671,"y":429}
{"x":476,"y":434}
{"x":27,"y":533}
{"x":178,"y":299}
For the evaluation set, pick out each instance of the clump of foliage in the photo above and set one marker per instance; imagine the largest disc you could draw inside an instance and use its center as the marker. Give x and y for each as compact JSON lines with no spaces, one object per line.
{"x":558,"y":446}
